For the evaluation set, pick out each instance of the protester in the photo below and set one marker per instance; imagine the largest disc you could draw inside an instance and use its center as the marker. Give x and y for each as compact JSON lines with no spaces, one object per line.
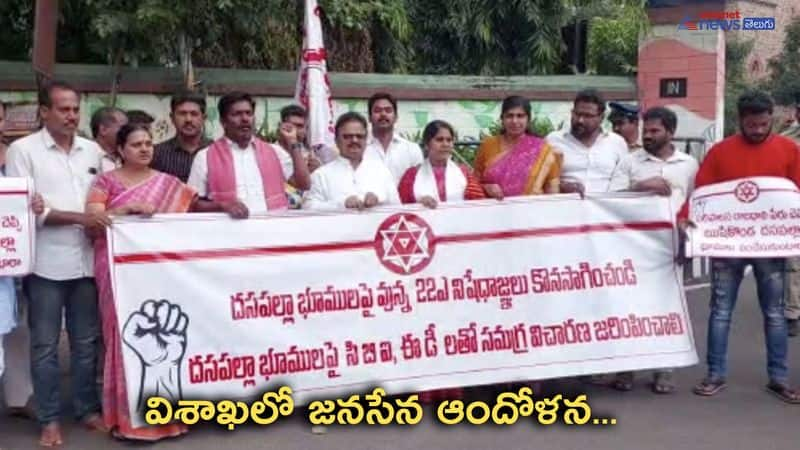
{"x":793,"y":264}
{"x":295,"y":116}
{"x":590,"y":154}
{"x":105,"y":124}
{"x":438,"y":178}
{"x":133,"y":189}
{"x":385,"y":144}
{"x":137,"y":116}
{"x":624,"y":120}
{"x":516,"y":162}
{"x":660,"y":169}
{"x":8,"y":307}
{"x":351,"y":180}
{"x":14,"y":332}
{"x":62,"y":166}
{"x":176,"y":155}
{"x":752,"y":152}
{"x":239,"y":173}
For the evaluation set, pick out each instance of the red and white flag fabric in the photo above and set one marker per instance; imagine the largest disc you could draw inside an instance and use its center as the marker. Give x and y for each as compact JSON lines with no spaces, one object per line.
{"x":313,"y":89}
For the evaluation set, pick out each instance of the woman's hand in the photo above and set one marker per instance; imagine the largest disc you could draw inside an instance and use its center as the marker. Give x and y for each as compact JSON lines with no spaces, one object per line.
{"x":142,"y":209}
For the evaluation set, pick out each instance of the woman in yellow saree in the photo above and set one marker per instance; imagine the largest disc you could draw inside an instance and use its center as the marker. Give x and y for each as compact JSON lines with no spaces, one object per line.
{"x":516,"y":162}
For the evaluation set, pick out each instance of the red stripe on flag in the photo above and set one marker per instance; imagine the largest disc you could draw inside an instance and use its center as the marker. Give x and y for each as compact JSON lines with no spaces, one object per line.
{"x":134,"y":258}
{"x":13,"y":192}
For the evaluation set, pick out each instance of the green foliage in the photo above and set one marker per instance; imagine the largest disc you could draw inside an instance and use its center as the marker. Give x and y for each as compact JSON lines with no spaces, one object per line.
{"x":487,"y":37}
{"x":366,"y":35}
{"x":16,"y":23}
{"x":480,"y":37}
{"x":783,"y":82}
{"x":736,"y":53}
{"x":613,"y":42}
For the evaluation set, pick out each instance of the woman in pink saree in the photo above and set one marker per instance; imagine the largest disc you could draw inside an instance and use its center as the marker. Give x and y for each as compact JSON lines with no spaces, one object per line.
{"x":516,"y":162}
{"x":134,"y":188}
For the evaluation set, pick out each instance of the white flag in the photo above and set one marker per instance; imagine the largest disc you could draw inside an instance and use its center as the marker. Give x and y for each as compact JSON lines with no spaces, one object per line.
{"x":313,"y":89}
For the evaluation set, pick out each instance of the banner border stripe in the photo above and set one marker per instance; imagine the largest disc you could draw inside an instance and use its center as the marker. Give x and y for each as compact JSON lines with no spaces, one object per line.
{"x":158,"y":257}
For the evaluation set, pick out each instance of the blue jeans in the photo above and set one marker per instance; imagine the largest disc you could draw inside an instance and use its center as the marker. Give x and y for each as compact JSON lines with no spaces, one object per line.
{"x":77,"y":301}
{"x":726,"y":276}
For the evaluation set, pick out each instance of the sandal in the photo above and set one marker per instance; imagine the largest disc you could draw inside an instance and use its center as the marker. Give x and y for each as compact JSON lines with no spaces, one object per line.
{"x":784,"y":393}
{"x":709,"y":387}
{"x":623,"y":382}
{"x":662,"y":383}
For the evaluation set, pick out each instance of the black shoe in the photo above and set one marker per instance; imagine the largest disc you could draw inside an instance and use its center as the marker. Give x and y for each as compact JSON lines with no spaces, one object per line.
{"x":794,"y":327}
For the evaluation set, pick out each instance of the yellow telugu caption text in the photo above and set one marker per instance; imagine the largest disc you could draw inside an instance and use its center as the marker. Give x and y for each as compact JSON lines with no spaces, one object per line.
{"x":509,"y":408}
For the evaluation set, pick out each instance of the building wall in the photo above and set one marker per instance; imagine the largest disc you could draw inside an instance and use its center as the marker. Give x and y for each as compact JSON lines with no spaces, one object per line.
{"x":767,"y":44}
{"x":698,"y":56}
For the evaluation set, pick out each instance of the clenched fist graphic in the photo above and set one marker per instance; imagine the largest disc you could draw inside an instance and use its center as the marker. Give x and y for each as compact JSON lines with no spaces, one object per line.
{"x":157,"y":335}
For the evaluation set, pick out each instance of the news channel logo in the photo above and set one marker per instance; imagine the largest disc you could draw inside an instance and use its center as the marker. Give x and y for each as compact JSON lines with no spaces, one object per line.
{"x":726,"y":21}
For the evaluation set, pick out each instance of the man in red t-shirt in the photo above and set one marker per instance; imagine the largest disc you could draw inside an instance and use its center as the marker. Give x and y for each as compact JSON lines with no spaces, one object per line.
{"x":755,"y":151}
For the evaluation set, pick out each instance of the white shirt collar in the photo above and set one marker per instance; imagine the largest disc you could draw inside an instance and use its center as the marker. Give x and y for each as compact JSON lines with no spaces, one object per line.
{"x":235,"y":146}
{"x":677,"y":156}
{"x":373,"y":140}
{"x":50,"y":143}
{"x":603,"y":134}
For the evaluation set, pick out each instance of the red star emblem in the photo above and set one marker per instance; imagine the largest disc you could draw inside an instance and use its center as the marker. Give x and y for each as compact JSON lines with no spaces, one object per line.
{"x":746,"y":192}
{"x":404,"y":243}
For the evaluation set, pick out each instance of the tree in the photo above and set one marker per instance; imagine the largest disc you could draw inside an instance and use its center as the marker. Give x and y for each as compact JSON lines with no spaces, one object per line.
{"x":736,"y":53}
{"x":613,"y":42}
{"x":479,"y":37}
{"x":16,"y":23}
{"x":783,"y":81}
{"x":487,"y":37}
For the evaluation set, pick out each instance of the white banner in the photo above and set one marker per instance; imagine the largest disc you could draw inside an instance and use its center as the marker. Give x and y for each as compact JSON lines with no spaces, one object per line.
{"x":17,"y":227}
{"x":746,"y":218}
{"x":410,"y":299}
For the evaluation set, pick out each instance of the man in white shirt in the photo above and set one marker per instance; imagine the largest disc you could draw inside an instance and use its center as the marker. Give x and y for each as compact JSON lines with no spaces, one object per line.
{"x":384,"y":143}
{"x":660,"y":169}
{"x":63,"y":166}
{"x":590,"y":155}
{"x":241,"y":174}
{"x":105,"y":124}
{"x":351,"y":180}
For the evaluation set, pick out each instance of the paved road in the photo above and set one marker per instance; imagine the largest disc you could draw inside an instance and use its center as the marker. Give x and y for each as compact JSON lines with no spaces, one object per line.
{"x":742,"y":417}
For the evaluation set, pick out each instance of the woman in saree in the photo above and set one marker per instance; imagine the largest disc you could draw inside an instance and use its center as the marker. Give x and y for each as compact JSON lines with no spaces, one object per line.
{"x":516,"y":162}
{"x":439,"y":178}
{"x":133,"y":189}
